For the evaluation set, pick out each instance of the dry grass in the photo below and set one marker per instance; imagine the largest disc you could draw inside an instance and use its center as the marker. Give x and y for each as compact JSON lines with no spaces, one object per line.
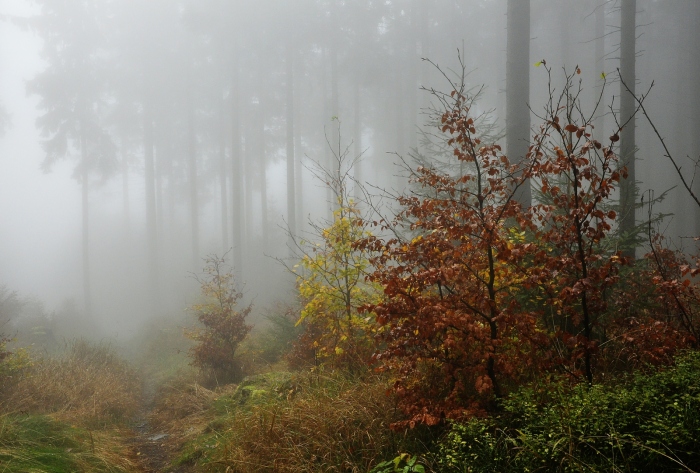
{"x":324,"y":424}
{"x":32,"y":443}
{"x":180,"y":402}
{"x":70,"y":413}
{"x":183,"y":409}
{"x":88,"y":385}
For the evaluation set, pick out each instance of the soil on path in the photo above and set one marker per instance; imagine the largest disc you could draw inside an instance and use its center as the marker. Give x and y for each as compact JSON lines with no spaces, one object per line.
{"x":150,"y":450}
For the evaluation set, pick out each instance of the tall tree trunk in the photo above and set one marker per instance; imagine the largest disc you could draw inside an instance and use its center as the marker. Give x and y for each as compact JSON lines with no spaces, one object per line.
{"x":298,"y":167}
{"x":236,"y":171}
{"x":262,"y":163}
{"x":518,"y":88}
{"x":413,"y":91}
{"x":628,"y":13}
{"x":327,"y":118}
{"x":335,"y":112}
{"x":151,"y":223}
{"x":125,"y":189}
{"x":85,"y":178}
{"x":357,"y":141}
{"x":291,"y":191}
{"x":599,"y":119}
{"x":168,"y":150}
{"x":694,"y":94}
{"x":249,"y":172}
{"x":424,"y":38}
{"x":223,"y":187}
{"x":192,"y":177}
{"x":159,"y":159}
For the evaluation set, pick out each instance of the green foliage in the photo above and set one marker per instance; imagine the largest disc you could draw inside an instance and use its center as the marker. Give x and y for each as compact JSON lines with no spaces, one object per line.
{"x":404,"y":463}
{"x":331,"y":281}
{"x":269,"y":342}
{"x":222,"y":324}
{"x":648,"y":423}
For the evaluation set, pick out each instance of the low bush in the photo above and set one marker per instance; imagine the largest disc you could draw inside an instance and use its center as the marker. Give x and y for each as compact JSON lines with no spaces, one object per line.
{"x":649,"y":422}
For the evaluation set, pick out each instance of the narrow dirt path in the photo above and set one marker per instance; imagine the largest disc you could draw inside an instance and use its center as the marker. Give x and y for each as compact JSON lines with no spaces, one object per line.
{"x":149,"y":448}
{"x":150,"y":451}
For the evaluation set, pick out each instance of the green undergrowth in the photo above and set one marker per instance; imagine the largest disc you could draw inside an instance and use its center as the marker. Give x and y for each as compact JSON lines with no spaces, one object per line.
{"x":301,"y":422}
{"x":37,"y":443}
{"x":648,"y":422}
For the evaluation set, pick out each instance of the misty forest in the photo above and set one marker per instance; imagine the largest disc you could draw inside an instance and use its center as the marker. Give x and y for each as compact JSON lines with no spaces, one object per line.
{"x":349,"y":236}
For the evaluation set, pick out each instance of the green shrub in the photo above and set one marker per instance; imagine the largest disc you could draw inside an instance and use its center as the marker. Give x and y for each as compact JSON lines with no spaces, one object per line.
{"x":650,"y":422}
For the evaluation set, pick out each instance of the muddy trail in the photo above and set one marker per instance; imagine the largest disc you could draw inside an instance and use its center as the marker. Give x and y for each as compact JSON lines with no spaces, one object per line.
{"x":151,"y":449}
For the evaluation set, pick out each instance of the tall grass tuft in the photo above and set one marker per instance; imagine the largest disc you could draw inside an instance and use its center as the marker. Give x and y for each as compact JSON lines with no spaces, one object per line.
{"x":311,"y":423}
{"x":88,"y":385}
{"x":69,"y":413}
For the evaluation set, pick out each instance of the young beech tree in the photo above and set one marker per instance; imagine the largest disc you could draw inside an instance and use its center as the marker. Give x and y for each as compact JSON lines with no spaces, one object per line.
{"x":577,"y":177}
{"x":485,"y":295}
{"x":601,"y":317}
{"x":332,"y":277}
{"x":674,"y":322}
{"x":454,"y":332}
{"x":222,"y":324}
{"x":332,"y":286}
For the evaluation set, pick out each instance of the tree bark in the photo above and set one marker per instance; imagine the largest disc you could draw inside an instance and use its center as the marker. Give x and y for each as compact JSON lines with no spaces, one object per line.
{"x":599,"y":119}
{"x":291,"y":191}
{"x":518,"y":88}
{"x":262,"y":166}
{"x":335,"y":112}
{"x":236,"y":172}
{"x":192,"y":177}
{"x":357,"y":141}
{"x":298,"y":168}
{"x":151,"y":223}
{"x":628,"y":14}
{"x":412,"y":58}
{"x":85,"y":178}
{"x":125,"y":189}
{"x":694,"y":46}
{"x":223,"y":185}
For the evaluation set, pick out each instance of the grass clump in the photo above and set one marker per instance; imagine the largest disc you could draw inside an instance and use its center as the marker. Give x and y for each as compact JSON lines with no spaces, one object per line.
{"x":37,"y":443}
{"x":69,"y":413}
{"x":307,"y":422}
{"x":88,"y":385}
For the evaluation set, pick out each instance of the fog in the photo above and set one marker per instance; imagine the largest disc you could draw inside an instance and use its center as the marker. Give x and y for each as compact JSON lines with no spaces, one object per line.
{"x":144,"y":135}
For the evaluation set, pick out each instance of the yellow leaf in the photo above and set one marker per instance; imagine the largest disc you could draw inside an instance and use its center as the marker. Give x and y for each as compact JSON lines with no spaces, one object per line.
{"x":538,"y":63}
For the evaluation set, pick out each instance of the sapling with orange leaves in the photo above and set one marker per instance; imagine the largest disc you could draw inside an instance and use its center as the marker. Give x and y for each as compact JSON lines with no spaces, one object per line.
{"x":455,"y":334}
{"x":222,"y":323}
